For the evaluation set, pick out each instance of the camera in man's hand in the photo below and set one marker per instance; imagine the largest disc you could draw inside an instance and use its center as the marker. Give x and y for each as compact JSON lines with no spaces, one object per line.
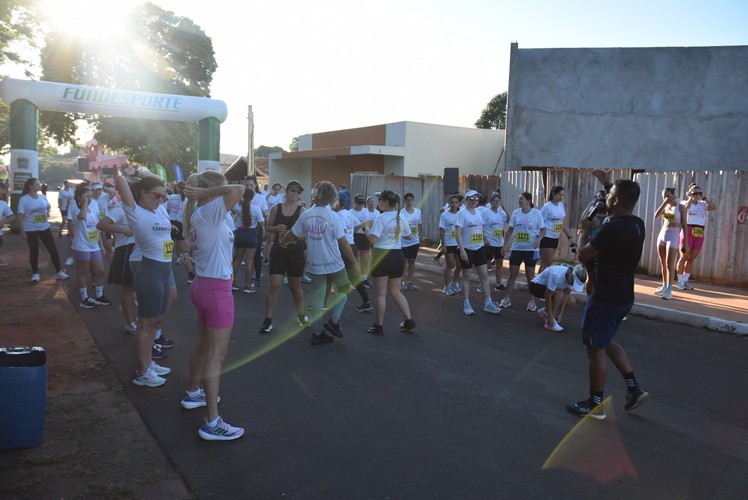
{"x":599,"y":207}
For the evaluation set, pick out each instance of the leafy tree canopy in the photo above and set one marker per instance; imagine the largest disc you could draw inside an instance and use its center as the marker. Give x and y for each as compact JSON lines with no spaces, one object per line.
{"x":494,"y":114}
{"x":294,"y":146}
{"x":264,"y":151}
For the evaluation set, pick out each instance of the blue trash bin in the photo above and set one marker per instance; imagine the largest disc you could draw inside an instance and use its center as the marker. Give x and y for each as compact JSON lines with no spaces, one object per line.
{"x":23,"y":392}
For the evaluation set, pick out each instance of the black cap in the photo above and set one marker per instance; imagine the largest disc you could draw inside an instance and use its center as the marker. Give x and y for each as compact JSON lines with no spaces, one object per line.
{"x":294,"y":184}
{"x":359,"y":198}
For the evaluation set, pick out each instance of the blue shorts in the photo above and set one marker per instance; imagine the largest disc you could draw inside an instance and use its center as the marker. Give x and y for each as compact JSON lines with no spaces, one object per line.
{"x":600,"y":323}
{"x":245,"y":237}
{"x":529,"y":257}
{"x":80,"y":255}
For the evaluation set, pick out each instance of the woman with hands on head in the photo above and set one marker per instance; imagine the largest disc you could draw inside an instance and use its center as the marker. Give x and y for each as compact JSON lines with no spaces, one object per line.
{"x":697,"y":205}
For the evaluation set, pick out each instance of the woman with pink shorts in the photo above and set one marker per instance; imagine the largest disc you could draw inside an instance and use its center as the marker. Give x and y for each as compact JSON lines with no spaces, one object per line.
{"x":207,"y":230}
{"x":668,"y":241}
{"x":696,"y":206}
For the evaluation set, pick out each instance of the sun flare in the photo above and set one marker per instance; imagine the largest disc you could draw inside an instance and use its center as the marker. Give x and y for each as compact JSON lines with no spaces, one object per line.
{"x":86,"y":19}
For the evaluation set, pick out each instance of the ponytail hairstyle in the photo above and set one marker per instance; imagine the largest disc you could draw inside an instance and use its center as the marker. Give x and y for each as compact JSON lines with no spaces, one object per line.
{"x":180,"y":188}
{"x":528,"y":197}
{"x":206,"y":179}
{"x":325,"y":194}
{"x":27,"y":185}
{"x":246,"y":203}
{"x":80,"y":191}
{"x":143,"y":185}
{"x":554,"y":191}
{"x":393,"y":199}
{"x":257,"y":185}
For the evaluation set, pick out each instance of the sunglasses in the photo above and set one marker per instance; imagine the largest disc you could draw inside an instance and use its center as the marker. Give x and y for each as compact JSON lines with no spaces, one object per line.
{"x":474,"y":199}
{"x":158,"y":196}
{"x":697,"y":193}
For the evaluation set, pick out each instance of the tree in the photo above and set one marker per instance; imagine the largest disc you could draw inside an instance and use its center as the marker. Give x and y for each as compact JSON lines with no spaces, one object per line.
{"x":294,"y":146}
{"x":494,"y":114}
{"x":264,"y":151}
{"x":155,"y":51}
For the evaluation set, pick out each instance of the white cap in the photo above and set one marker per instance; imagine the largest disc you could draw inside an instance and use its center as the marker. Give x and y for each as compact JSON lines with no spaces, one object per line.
{"x":471,"y":192}
{"x":96,"y":185}
{"x":580,"y":277}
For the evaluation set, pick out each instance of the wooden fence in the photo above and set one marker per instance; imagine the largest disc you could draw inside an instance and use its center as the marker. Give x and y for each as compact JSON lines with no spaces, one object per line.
{"x":724,"y":258}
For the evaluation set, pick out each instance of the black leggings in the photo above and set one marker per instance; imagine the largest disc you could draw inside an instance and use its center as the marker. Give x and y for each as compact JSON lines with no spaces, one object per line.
{"x":32,"y":238}
{"x":258,"y":253}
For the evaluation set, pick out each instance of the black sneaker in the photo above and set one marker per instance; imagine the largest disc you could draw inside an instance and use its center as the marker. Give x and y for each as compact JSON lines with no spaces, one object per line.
{"x":334,"y":328}
{"x":499,"y":288}
{"x":321,"y":338}
{"x":366,"y":283}
{"x":88,"y":303}
{"x":157,"y":353}
{"x":407,"y":325}
{"x":364,"y":308}
{"x":267,"y":326}
{"x":234,"y":287}
{"x":635,"y":398}
{"x":303,"y":320}
{"x":376,"y":329}
{"x":163,"y":342}
{"x":102,"y":301}
{"x":587,"y":409}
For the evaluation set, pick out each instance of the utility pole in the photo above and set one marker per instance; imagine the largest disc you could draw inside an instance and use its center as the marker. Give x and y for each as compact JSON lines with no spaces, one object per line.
{"x":251,"y":142}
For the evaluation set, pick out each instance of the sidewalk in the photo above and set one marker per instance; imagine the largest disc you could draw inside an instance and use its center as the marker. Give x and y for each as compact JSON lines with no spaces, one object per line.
{"x":714,"y":307}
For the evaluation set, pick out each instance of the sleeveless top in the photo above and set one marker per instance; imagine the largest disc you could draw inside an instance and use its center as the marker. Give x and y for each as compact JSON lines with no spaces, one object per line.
{"x":287,"y":221}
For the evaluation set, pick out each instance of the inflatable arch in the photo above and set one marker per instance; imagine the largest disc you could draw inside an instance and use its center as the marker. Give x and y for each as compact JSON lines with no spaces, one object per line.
{"x":27,"y":97}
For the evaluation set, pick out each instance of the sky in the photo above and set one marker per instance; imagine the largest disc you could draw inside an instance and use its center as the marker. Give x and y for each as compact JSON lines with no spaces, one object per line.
{"x":308,"y":67}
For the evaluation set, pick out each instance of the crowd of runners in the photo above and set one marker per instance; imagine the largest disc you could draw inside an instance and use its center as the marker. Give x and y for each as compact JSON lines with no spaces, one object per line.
{"x":140,"y":229}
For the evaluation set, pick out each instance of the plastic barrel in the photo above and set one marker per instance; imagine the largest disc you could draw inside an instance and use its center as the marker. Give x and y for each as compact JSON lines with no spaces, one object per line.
{"x":23,"y":393}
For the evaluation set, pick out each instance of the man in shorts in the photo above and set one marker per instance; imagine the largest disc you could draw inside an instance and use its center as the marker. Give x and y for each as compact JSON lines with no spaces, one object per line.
{"x":617,"y":247}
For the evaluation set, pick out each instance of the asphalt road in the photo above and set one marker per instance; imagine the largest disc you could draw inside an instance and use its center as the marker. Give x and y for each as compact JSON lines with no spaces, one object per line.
{"x":466,"y":407}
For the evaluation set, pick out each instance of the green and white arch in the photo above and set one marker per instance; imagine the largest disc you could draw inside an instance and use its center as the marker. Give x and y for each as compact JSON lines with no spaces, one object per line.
{"x":27,"y":97}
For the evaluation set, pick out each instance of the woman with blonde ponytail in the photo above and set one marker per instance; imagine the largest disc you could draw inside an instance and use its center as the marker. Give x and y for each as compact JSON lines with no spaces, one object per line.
{"x":207,"y":229}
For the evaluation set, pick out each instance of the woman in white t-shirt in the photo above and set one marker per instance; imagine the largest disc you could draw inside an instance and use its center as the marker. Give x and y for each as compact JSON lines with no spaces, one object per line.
{"x":554,"y":214}
{"x":85,"y":247}
{"x":494,"y":223}
{"x":412,"y":216}
{"x":326,"y":249}
{"x":33,"y":222}
{"x":526,"y":229}
{"x":6,"y":216}
{"x":249,"y":224}
{"x":452,"y":269}
{"x":175,"y":207}
{"x":388,"y":262}
{"x":152,"y":231}
{"x":697,"y":206}
{"x":211,"y":237}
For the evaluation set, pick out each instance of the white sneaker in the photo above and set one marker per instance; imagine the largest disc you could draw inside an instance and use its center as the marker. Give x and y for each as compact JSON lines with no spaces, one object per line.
{"x":468,"y":309}
{"x":667,"y":294}
{"x":660,"y":290}
{"x":69,"y":261}
{"x":555,"y":328}
{"x":505,"y":302}
{"x":681,"y":286}
{"x":221,"y":432}
{"x":531,"y":306}
{"x":543,"y":314}
{"x":149,"y":379}
{"x":403,"y":286}
{"x":492,"y":308}
{"x":62,"y":276}
{"x":448,"y":291}
{"x":35,"y":277}
{"x":158,"y":369}
{"x":131,"y":328}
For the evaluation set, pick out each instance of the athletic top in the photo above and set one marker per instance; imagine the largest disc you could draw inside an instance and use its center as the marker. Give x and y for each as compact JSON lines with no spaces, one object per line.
{"x":5,"y":211}
{"x":101,"y":204}
{"x":323,"y":228}
{"x":65,"y":196}
{"x":526,"y":227}
{"x":413,"y":220}
{"x":349,"y":222}
{"x":697,"y":213}
{"x":471,"y":227}
{"x":364,"y":215}
{"x":119,"y":218}
{"x":255,"y":216}
{"x":175,"y":207}
{"x":85,"y":234}
{"x":619,"y":241}
{"x":35,"y":212}
{"x":554,"y":216}
{"x":385,"y":228}
{"x":493,"y":226}
{"x":274,"y":199}
{"x":553,"y":277}
{"x":152,"y":231}
{"x":447,"y":222}
{"x":286,"y":221}
{"x":212,"y":241}
{"x":671,"y":215}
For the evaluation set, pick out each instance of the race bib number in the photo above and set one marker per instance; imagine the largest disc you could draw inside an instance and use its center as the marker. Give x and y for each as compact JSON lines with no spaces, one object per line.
{"x":669,"y":216}
{"x":498,"y":233}
{"x":235,"y":217}
{"x":558,"y":227}
{"x":102,"y":214}
{"x":697,"y":232}
{"x":414,"y":230}
{"x":452,"y":234}
{"x":476,"y":238}
{"x":92,"y":235}
{"x":522,"y":237}
{"x":168,"y":249}
{"x":40,"y":218}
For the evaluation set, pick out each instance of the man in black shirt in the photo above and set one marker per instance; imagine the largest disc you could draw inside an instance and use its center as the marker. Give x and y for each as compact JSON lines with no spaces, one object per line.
{"x":616,"y":248}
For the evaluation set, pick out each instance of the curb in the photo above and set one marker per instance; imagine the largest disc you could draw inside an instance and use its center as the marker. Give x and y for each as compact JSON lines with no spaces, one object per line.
{"x":648,"y":311}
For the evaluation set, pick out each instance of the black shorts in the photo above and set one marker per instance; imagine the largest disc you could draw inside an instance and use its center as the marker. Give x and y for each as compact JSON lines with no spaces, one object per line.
{"x":452,"y":250}
{"x":387,"y":262}
{"x":119,"y":271}
{"x":411,"y":252}
{"x":289,"y":261}
{"x":476,"y":258}
{"x":549,"y":242}
{"x":517,"y":257}
{"x":64,"y":214}
{"x":246,"y":238}
{"x":537,"y":289}
{"x":494,"y":253}
{"x":176,"y":231}
{"x":362,"y":242}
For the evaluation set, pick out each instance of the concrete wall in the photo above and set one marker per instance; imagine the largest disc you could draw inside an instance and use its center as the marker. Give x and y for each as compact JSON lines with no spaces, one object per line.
{"x":659,"y":109}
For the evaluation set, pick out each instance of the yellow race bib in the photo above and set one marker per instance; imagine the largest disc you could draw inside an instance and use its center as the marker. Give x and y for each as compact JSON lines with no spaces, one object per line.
{"x":92,"y":235}
{"x":522,"y":237}
{"x":40,"y":218}
{"x":697,"y":232}
{"x":558,"y":227}
{"x":476,"y":238}
{"x":498,"y":233}
{"x":669,"y":216}
{"x":102,"y":214}
{"x":452,"y":234}
{"x":168,"y":249}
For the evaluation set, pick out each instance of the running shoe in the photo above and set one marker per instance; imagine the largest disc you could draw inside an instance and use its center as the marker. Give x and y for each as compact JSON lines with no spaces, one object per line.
{"x":667,"y":294}
{"x":366,"y":283}
{"x":61,"y":275}
{"x":448,"y":291}
{"x":221,"y":432}
{"x":321,"y":338}
{"x":412,"y":286}
{"x":130,"y":328}
{"x":407,"y":325}
{"x":250,"y":289}
{"x":163,"y":342}
{"x":234,"y":287}
{"x":553,"y":328}
{"x":148,"y":379}
{"x":491,"y":308}
{"x":267,"y":326}
{"x":334,"y":328}
{"x":456,"y":287}
{"x":687,"y":286}
{"x":157,"y":352}
{"x":158,"y":369}
{"x":660,"y":290}
{"x":303,"y":320}
{"x":587,"y":408}
{"x":306,"y":279}
{"x":635,"y":398}
{"x":69,"y":261}
{"x":88,"y":303}
{"x":499,"y":288}
{"x":265,"y":261}
{"x":190,"y":403}
{"x":102,"y":301}
{"x":468,"y":309}
{"x":543,"y":314}
{"x":403,"y":286}
{"x":531,"y":306}
{"x":364,"y":308}
{"x":479,"y":289}
{"x":35,"y":277}
{"x":505,"y":303}
{"x":376,"y":329}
